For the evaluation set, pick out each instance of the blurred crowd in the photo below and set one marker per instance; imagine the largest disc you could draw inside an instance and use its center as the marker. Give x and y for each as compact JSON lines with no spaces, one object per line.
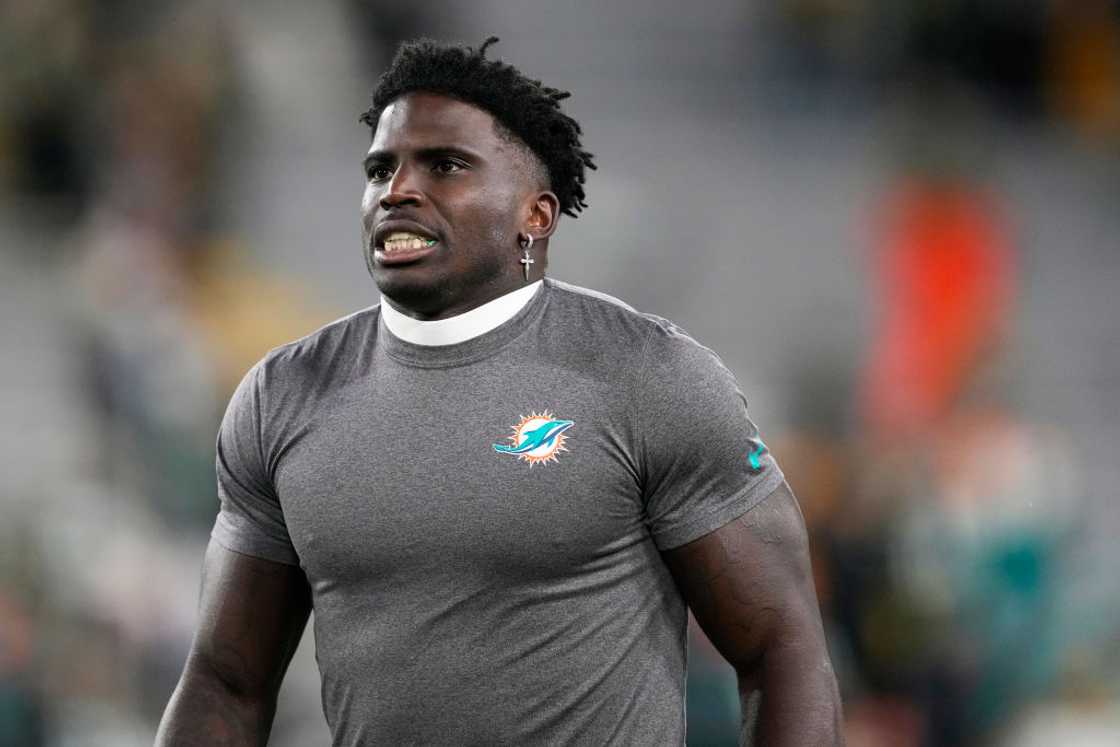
{"x":961,"y":537}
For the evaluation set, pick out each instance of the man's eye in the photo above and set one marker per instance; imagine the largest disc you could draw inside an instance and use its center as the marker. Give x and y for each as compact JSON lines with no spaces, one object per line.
{"x":378,"y":173}
{"x":447,"y":166}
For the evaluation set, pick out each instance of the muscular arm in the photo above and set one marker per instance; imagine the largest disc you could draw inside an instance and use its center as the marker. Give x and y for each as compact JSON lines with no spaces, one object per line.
{"x":251,"y":616}
{"x":749,"y":586}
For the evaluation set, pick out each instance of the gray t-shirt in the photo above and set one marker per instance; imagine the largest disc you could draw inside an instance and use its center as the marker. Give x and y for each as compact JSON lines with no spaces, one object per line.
{"x":481,"y":523}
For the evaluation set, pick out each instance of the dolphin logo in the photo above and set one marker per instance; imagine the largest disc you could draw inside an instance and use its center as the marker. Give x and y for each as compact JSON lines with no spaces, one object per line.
{"x":542,"y":436}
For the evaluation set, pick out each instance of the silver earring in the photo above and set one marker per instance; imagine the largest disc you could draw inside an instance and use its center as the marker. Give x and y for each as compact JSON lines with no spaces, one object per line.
{"x":526,"y":260}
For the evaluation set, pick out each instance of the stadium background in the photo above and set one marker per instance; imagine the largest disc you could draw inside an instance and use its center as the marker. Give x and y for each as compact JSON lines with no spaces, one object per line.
{"x":896,"y":222}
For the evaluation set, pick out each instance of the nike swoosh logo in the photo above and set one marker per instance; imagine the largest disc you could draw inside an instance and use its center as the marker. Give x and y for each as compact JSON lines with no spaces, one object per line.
{"x":756,"y":463}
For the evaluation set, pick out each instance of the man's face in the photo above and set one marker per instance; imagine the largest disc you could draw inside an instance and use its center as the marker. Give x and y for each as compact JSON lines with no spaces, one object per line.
{"x":450,"y":189}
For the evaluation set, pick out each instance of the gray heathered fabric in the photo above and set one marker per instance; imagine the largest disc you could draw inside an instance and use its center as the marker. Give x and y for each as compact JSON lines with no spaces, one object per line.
{"x":463,"y":596}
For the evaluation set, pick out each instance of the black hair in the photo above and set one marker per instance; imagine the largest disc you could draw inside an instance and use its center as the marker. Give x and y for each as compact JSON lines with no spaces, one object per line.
{"x":524,"y":108}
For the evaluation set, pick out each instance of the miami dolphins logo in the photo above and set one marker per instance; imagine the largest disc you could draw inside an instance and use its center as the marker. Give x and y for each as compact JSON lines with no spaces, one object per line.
{"x":537,"y":439}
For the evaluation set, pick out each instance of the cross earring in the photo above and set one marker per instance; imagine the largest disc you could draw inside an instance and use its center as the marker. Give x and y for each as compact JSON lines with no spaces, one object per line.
{"x":526,"y":259}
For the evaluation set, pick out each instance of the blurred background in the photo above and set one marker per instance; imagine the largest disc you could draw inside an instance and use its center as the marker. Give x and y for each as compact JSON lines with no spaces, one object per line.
{"x":895,"y":221}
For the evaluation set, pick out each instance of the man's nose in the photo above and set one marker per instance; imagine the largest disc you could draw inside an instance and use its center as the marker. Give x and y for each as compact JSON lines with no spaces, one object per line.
{"x":402,"y":189}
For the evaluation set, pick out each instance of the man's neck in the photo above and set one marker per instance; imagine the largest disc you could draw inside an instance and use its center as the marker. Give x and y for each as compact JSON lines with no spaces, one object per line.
{"x":461,"y":327}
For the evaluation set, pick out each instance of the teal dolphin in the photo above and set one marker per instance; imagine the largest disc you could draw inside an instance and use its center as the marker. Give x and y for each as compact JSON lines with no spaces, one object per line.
{"x":542,"y":435}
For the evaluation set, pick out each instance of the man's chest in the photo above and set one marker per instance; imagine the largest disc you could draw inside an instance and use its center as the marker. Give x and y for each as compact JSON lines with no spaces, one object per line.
{"x":495,"y":476}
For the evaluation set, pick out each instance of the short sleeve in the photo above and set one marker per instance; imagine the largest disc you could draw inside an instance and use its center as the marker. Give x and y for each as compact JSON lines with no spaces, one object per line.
{"x":703,"y":460}
{"x":250,"y":520}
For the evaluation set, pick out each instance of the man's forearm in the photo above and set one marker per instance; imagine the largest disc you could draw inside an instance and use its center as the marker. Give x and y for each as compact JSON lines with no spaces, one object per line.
{"x":791,"y":698}
{"x":205,"y":711}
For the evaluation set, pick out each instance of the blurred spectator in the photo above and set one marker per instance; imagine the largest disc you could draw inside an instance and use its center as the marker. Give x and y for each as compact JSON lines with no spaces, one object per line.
{"x":170,"y":313}
{"x":946,"y":273}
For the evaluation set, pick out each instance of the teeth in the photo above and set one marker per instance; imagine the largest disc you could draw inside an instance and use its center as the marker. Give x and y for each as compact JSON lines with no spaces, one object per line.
{"x":399,"y":240}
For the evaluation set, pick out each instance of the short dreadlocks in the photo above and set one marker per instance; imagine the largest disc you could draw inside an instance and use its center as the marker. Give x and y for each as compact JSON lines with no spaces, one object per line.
{"x":525,"y":108}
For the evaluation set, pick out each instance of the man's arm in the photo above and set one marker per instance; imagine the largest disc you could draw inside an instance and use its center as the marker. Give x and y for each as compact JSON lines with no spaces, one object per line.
{"x":750,"y":587}
{"x":252,"y":613}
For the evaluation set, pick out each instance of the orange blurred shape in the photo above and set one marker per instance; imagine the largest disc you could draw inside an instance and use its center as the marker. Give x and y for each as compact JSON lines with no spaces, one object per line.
{"x":945,"y":271}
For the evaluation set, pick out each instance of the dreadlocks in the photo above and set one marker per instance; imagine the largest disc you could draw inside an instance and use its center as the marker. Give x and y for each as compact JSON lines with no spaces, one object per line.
{"x":524,"y":108}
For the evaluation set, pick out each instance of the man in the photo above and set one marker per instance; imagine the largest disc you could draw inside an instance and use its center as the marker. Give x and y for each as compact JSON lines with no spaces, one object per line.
{"x":497,"y":491}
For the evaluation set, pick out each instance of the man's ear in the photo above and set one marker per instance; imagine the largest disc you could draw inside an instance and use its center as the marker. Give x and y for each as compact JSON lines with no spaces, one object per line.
{"x":542,"y":214}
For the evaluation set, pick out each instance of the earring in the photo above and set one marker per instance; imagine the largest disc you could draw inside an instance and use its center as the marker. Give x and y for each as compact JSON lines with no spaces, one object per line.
{"x":526,"y":259}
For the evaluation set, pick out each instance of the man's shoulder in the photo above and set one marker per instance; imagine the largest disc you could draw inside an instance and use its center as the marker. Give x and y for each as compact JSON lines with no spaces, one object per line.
{"x":596,"y":309}
{"x":578,"y":293}
{"x":618,"y":321}
{"x":317,"y":349}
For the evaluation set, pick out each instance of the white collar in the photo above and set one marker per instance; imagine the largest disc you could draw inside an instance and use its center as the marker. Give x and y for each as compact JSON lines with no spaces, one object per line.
{"x":460,"y":327}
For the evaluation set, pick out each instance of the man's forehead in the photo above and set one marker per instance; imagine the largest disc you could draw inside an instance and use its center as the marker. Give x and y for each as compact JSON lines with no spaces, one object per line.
{"x":421,"y":119}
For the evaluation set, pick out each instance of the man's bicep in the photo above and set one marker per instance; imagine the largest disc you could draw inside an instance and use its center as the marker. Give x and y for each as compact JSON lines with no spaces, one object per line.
{"x":252,"y":613}
{"x":749,"y":582}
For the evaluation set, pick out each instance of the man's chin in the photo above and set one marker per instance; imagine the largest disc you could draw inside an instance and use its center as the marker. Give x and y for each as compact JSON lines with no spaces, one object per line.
{"x":410,"y":288}
{"x":431,"y":288}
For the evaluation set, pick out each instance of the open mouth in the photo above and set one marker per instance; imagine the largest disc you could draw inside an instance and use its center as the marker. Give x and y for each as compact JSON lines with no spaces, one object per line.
{"x":400,"y":247}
